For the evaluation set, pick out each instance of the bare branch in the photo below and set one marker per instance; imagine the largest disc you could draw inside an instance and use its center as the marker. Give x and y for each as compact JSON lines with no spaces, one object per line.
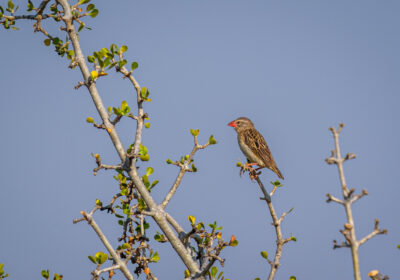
{"x":364,"y":192}
{"x":184,"y":167}
{"x":97,"y":272}
{"x":158,"y":217}
{"x":334,"y":199}
{"x":122,"y":265}
{"x":376,"y":231}
{"x":276,"y":222}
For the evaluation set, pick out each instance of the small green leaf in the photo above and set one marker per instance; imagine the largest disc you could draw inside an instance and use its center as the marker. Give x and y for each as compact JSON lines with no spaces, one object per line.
{"x":81,"y":26}
{"x":292,"y":278}
{"x":398,"y":246}
{"x":134,"y":65}
{"x":94,"y":13}
{"x":125,"y":108}
{"x":149,"y":171}
{"x":194,"y":132}
{"x":89,"y":120}
{"x":155,"y":182}
{"x":144,"y":93}
{"x":194,"y":168}
{"x":192,"y":219}
{"x":10,"y":5}
{"x":94,"y":75}
{"x":45,"y":274}
{"x":155,"y":257}
{"x":277,"y":183}
{"x":30,"y":6}
{"x":83,"y":2}
{"x":91,"y":59}
{"x":57,"y":277}
{"x":187,"y":273}
{"x":124,"y":49}
{"x":220,"y":274}
{"x":145,"y":157}
{"x":293,"y":238}
{"x":47,"y":42}
{"x":264,"y":254}
{"x":122,"y":63}
{"x":168,"y":161}
{"x":100,"y":257}
{"x":89,"y":7}
{"x":212,"y":140}
{"x":258,"y":278}
{"x":92,"y":259}
{"x":117,"y":111}
{"x":147,"y":125}
{"x":214,"y":271}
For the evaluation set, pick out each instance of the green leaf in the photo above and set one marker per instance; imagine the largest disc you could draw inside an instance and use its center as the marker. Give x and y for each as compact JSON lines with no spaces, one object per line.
{"x":145,"y":157}
{"x":117,"y":111}
{"x":122,"y":63}
{"x":100,"y":257}
{"x":91,"y":59}
{"x":124,"y":49}
{"x":89,"y":120}
{"x":155,"y":257}
{"x":92,"y":259}
{"x":293,"y":238}
{"x":147,"y":125}
{"x":121,"y":222}
{"x":155,"y":182}
{"x":292,"y":278}
{"x":220,"y":274}
{"x":211,"y":140}
{"x":194,"y":168}
{"x":142,"y":204}
{"x":264,"y":254}
{"x":47,"y":42}
{"x":125,"y":108}
{"x":168,"y":161}
{"x":57,"y":277}
{"x":94,"y":13}
{"x":194,"y":132}
{"x":94,"y":75}
{"x":258,"y":278}
{"x":89,"y":7}
{"x":83,"y":2}
{"x":214,"y":271}
{"x":144,"y":93}
{"x":192,"y":219}
{"x":10,"y":5}
{"x":149,"y":171}
{"x":30,"y":6}
{"x":45,"y":274}
{"x":187,"y":273}
{"x":134,"y":65}
{"x":277,"y":183}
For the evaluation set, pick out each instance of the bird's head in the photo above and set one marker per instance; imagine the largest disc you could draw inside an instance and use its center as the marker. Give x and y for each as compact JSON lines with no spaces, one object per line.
{"x":241,"y":123}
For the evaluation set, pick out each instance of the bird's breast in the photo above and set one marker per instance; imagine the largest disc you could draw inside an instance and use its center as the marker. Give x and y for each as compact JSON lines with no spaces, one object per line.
{"x":251,"y":156}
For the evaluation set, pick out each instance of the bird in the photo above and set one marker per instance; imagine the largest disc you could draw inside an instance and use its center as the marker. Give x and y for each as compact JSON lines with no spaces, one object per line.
{"x":254,"y":146}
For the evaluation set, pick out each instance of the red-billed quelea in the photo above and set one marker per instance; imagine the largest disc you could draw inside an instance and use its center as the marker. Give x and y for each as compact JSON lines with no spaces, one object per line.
{"x":253,"y":146}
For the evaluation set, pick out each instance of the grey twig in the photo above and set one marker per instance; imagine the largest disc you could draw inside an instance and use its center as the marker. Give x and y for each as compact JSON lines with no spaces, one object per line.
{"x":348,"y":199}
{"x":159,"y":216}
{"x":276,"y":222}
{"x":184,"y":167}
{"x":376,"y":231}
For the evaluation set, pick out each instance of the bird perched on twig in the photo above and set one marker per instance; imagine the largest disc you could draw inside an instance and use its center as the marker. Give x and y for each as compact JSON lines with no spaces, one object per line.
{"x":253,"y":146}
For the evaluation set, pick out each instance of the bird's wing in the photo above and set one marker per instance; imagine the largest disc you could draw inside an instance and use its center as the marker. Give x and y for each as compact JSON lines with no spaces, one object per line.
{"x":257,"y":144}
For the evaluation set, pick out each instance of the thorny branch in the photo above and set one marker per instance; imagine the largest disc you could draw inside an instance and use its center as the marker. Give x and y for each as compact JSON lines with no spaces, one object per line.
{"x":276,"y":222}
{"x":348,"y":199}
{"x":184,"y":167}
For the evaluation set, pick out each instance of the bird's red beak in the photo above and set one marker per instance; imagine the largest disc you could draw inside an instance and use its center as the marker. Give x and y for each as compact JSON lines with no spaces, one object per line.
{"x":233,"y":124}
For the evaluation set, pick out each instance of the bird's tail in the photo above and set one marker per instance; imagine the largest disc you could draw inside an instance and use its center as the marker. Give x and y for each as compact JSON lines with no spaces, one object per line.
{"x":278,"y":172}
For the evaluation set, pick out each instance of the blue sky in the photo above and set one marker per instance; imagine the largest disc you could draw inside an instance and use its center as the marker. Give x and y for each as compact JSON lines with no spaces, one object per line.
{"x":294,"y":67}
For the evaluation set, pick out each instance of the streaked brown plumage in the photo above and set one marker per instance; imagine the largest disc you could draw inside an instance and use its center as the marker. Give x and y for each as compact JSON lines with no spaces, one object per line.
{"x":253,"y":145}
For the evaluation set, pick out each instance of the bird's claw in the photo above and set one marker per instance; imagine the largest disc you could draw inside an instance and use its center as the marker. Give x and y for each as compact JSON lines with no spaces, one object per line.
{"x":253,"y":174}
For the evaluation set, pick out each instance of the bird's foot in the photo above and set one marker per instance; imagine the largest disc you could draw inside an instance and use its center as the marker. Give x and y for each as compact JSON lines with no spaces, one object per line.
{"x":253,"y":174}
